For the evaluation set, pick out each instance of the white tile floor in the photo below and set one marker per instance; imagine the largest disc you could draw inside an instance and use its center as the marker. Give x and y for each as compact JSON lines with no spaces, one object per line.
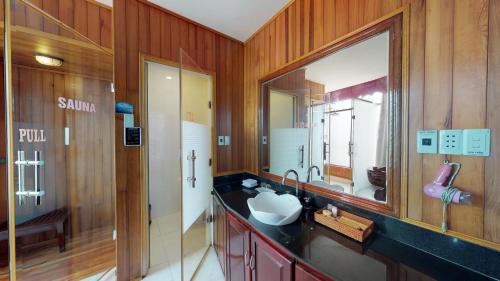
{"x":165,"y":253}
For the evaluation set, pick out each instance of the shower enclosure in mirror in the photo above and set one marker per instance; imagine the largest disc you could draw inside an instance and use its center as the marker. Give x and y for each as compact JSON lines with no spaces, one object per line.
{"x":334,"y":117}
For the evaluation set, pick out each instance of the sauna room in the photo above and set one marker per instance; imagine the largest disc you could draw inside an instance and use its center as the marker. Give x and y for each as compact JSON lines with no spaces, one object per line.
{"x":284,"y":140}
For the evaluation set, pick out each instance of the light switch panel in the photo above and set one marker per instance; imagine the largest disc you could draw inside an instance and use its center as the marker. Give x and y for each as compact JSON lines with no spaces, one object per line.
{"x":427,"y":141}
{"x":227,"y":140}
{"x":220,"y":140}
{"x":450,"y":142}
{"x":476,"y":142}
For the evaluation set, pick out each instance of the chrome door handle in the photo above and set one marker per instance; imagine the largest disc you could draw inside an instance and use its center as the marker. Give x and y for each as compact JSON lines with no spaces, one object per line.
{"x":20,"y":175}
{"x":21,"y":163}
{"x":192,"y":178}
{"x":246,"y":258}
{"x":38,"y":190}
{"x":301,"y":156}
{"x":252,"y":262}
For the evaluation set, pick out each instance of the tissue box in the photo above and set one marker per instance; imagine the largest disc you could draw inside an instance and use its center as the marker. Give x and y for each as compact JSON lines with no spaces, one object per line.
{"x":249,"y":183}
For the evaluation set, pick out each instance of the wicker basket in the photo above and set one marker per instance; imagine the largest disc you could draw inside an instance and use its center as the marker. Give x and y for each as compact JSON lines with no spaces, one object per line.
{"x":356,"y":227}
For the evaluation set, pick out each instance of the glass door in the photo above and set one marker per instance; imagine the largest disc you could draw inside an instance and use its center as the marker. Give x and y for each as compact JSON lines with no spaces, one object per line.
{"x":62,"y":189}
{"x":196,"y":153}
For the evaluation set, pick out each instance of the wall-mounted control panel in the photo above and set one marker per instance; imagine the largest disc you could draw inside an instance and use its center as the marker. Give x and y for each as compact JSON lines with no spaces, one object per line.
{"x":220,"y":140}
{"x":476,"y":142}
{"x":470,"y":142}
{"x":223,"y":140}
{"x":450,"y":142}
{"x":427,"y":141}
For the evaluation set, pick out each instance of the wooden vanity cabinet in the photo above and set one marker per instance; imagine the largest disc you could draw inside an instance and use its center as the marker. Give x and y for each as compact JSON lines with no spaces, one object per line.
{"x":301,"y":274}
{"x":220,"y":232}
{"x":267,"y":263}
{"x":246,"y":256}
{"x":238,"y":250}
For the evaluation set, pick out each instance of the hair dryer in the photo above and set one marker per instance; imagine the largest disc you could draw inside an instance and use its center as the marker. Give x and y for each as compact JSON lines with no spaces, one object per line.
{"x":444,"y":179}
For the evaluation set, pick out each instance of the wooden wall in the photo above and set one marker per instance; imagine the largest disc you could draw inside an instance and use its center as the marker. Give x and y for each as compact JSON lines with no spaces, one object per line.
{"x":454,"y":70}
{"x":89,"y":18}
{"x":142,"y":27}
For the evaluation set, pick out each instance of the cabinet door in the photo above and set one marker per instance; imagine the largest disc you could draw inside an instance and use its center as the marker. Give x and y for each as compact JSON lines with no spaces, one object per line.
{"x":267,"y":264}
{"x":238,"y":250}
{"x":220,"y":233}
{"x":302,"y":275}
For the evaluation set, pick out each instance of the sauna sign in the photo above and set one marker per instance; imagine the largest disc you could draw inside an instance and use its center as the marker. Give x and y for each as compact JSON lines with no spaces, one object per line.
{"x":73,"y":104}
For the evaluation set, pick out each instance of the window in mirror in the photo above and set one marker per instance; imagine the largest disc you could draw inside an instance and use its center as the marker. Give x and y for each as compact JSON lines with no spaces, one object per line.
{"x":333,"y":115}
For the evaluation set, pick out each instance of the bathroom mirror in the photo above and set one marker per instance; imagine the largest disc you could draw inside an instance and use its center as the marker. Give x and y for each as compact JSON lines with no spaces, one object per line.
{"x":334,"y":117}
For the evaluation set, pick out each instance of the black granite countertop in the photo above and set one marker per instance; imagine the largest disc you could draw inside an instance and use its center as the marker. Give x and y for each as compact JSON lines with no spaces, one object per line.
{"x":340,"y":257}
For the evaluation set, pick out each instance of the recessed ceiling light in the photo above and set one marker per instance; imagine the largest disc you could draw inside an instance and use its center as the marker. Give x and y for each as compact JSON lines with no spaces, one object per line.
{"x":49,"y":61}
{"x":168,"y":77}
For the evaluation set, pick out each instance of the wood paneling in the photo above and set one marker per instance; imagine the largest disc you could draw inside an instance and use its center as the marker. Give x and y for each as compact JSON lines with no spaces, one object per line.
{"x":492,"y":163}
{"x":453,"y":70}
{"x":142,"y":27}
{"x":87,"y":17}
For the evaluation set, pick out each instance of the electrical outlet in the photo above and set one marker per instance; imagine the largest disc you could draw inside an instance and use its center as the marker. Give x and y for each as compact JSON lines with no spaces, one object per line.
{"x":450,"y":142}
{"x":427,"y":142}
{"x":476,"y":142}
{"x":221,"y":140}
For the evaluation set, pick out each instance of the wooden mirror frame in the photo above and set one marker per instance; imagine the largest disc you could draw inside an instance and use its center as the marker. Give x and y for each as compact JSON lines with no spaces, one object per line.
{"x":397,"y":25}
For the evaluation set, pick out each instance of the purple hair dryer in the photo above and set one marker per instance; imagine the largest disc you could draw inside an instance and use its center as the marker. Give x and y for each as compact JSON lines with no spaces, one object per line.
{"x":437,"y":187}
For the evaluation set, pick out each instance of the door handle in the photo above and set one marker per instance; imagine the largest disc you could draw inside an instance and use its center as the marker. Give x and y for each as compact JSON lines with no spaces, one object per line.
{"x":21,"y":163}
{"x":246,"y":258}
{"x":192,"y":178}
{"x":252,"y":262}
{"x":20,"y":175}
{"x":301,"y":156}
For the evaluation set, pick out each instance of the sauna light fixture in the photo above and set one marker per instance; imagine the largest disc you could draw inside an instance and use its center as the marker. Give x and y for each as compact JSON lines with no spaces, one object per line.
{"x":168,"y":77}
{"x":49,"y":61}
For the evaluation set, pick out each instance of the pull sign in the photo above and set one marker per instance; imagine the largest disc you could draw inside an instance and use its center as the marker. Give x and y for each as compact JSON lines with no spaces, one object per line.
{"x":32,"y":135}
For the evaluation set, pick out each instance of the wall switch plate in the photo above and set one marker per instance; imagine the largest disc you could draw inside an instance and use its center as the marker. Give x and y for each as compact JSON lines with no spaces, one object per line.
{"x":476,"y":142}
{"x":220,"y":140}
{"x":227,"y":140}
{"x":450,"y":142}
{"x":264,"y":139}
{"x":427,"y":141}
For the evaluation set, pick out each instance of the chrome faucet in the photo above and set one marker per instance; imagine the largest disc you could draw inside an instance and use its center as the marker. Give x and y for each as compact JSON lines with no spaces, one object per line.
{"x":309,"y":171}
{"x":296,"y":180}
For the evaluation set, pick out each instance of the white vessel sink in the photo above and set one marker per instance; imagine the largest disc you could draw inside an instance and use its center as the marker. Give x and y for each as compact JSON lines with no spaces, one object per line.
{"x":273,"y":209}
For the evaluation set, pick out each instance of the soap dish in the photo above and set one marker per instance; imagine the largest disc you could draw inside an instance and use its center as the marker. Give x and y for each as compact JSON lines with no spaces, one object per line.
{"x":356,"y":227}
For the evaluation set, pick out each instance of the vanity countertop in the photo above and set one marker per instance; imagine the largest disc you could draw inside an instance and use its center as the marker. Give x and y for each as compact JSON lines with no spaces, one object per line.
{"x":338,"y":256}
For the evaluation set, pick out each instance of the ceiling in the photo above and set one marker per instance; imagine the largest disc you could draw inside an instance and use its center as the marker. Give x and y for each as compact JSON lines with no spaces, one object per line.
{"x":236,"y":18}
{"x":353,"y":65}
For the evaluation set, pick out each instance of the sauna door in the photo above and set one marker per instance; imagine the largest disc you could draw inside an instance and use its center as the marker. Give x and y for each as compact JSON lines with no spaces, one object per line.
{"x":196,"y":152}
{"x":62,"y":151}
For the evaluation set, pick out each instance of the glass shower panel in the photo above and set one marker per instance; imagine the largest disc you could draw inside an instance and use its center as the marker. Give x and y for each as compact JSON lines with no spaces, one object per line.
{"x":286,"y":111}
{"x":196,"y":147}
{"x":63,"y":126}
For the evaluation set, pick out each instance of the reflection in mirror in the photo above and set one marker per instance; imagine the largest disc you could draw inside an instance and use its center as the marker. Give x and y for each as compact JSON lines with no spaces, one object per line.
{"x":286,"y":142}
{"x":332,"y":114}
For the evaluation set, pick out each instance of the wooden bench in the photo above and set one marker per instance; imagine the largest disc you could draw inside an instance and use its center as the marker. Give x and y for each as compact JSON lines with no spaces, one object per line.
{"x":52,"y":221}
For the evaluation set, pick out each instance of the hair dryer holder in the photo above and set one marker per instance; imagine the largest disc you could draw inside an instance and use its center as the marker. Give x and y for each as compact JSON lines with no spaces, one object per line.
{"x":442,"y":188}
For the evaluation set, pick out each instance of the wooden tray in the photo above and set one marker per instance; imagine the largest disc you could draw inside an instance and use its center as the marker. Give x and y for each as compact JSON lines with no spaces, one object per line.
{"x":356,"y":227}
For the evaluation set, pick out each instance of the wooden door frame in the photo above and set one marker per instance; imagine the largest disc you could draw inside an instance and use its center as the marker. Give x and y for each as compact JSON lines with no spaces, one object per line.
{"x":144,"y":164}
